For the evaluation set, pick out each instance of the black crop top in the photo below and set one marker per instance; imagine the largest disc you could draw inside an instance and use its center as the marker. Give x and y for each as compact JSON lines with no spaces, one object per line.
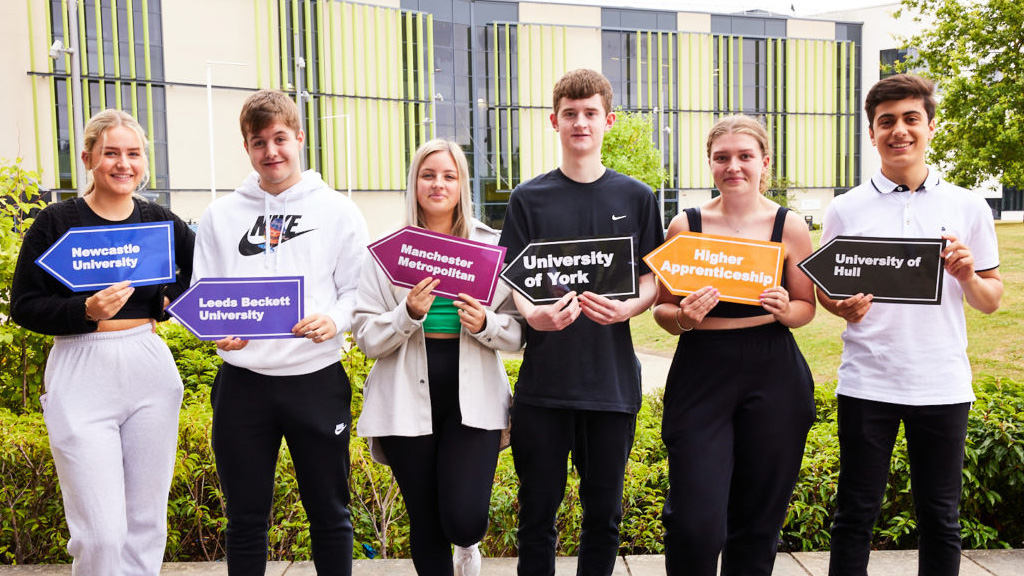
{"x":733,"y":309}
{"x":41,"y":303}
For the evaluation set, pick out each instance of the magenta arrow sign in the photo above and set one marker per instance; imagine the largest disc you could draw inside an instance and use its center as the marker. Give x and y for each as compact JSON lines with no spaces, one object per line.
{"x":462,"y":266}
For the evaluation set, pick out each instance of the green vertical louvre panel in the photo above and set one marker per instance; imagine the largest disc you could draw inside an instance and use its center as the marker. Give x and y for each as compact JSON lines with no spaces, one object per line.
{"x":789,"y":122}
{"x":68,"y":92}
{"x":148,"y":63}
{"x":770,"y":120}
{"x":282,"y":42}
{"x":35,"y":92}
{"x":84,"y":64}
{"x":508,"y":109}
{"x":324,"y":128}
{"x":410,"y":111}
{"x":429,"y":70}
{"x":333,"y":147}
{"x":496,"y":129}
{"x":666,"y":86}
{"x":100,"y":64}
{"x":259,"y":44}
{"x":309,"y":82}
{"x":723,"y":73}
{"x":853,"y":111}
{"x":393,"y":53}
{"x":738,"y":63}
{"x":650,"y":69}
{"x":116,"y":46}
{"x":421,"y":64}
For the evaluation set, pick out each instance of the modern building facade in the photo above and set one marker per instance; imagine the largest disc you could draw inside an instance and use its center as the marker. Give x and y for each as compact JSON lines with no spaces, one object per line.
{"x":376,"y":79}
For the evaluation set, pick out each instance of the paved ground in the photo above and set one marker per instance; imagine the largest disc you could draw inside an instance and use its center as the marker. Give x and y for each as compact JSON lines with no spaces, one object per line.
{"x":904,"y":563}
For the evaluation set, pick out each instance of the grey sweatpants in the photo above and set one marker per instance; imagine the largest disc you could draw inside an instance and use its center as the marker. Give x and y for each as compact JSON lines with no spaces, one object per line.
{"x":111,"y":410}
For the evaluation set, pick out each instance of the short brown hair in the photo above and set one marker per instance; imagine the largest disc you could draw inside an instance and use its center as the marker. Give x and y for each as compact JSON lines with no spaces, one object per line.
{"x":583,"y":83}
{"x":900,"y":87}
{"x":266,"y":107}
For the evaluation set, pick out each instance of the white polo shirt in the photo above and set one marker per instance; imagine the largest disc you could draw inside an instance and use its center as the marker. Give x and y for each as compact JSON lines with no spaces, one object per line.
{"x":911,"y":353}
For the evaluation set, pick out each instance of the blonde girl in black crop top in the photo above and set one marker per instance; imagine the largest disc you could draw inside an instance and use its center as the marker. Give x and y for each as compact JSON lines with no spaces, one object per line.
{"x":739,"y":158}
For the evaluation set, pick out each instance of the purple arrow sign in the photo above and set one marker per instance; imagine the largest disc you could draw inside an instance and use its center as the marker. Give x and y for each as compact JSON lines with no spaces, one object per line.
{"x":465,"y":266}
{"x":250,"y":308}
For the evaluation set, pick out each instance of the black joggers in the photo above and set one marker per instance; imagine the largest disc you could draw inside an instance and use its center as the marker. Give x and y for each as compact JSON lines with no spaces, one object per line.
{"x":251,"y":414}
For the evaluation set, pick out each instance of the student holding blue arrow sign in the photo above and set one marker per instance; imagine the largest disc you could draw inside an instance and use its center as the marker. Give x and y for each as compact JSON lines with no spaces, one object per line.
{"x":112,"y":388}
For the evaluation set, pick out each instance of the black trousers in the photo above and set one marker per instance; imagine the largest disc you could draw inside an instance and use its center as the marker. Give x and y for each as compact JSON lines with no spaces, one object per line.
{"x":935,"y":447}
{"x":542,"y":439}
{"x":446,"y":477}
{"x":738,"y":406}
{"x":251,"y":414}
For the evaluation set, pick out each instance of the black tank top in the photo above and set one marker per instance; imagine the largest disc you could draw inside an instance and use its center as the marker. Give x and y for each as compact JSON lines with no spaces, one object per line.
{"x":732,"y":309}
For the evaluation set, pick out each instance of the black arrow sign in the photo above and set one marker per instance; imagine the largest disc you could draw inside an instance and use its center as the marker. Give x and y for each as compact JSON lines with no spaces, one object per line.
{"x":899,"y":270}
{"x":545,"y":271}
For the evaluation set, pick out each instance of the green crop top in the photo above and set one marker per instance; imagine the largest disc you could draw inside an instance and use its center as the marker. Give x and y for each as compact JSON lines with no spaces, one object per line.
{"x":443,"y":317}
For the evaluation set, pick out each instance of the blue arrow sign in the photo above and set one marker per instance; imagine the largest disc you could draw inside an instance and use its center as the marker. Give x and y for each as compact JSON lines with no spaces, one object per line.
{"x":94,"y":257}
{"x":250,"y":308}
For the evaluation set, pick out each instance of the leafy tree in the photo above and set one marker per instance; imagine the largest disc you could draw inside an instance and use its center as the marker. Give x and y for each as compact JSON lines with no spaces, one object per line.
{"x":22,"y":353}
{"x":629,"y":149}
{"x":975,"y":52}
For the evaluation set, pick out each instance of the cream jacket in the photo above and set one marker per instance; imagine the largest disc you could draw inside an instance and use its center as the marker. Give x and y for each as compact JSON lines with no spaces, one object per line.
{"x":396,"y":394}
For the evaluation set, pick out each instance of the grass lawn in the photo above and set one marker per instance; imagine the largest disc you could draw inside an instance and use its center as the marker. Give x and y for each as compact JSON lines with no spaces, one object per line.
{"x":995,"y":340}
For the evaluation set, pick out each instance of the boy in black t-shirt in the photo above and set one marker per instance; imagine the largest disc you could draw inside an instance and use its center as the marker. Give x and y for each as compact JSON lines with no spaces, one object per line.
{"x":579,"y":385}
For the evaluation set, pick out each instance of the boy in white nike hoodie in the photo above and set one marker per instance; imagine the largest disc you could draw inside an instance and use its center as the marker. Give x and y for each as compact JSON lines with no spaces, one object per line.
{"x":284,"y":222}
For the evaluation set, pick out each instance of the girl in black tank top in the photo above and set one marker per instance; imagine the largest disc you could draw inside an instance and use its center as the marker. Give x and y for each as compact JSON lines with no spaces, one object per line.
{"x":739,"y":396}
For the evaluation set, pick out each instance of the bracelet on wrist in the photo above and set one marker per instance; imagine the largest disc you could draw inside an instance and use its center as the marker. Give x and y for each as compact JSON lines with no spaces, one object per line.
{"x":679,"y":324}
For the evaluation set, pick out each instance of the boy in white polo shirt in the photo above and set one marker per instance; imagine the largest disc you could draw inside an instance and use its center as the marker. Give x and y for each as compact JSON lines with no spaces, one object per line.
{"x":908,"y":362}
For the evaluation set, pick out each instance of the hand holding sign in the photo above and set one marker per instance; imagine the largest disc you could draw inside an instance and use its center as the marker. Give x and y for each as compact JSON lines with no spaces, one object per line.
{"x":226,"y":309}
{"x":545,"y":271}
{"x":412,"y":254}
{"x":898,"y":270}
{"x":106,"y":303}
{"x":94,"y":257}
{"x":741,"y":269}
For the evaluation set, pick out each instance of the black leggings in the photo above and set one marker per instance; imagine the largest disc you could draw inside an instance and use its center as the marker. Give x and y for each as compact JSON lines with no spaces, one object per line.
{"x":445,"y":477}
{"x":251,"y":413}
{"x":738,"y":406}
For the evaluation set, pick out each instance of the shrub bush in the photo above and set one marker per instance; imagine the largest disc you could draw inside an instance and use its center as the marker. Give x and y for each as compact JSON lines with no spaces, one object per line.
{"x":32,"y":527}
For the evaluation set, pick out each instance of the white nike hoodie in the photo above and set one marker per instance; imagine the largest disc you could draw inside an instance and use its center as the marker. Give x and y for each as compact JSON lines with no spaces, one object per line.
{"x":309,"y":230}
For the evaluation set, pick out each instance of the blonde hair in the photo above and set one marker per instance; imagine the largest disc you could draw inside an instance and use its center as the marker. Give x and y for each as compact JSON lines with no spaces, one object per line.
{"x":463,"y":214}
{"x":96,"y":129}
{"x":747,"y":126}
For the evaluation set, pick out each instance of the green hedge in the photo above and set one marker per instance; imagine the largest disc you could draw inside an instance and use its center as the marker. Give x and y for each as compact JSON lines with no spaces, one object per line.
{"x":32,"y":527}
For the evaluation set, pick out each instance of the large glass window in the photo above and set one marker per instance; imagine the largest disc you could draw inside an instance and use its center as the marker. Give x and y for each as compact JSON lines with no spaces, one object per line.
{"x":474,"y":101}
{"x":123,"y":68}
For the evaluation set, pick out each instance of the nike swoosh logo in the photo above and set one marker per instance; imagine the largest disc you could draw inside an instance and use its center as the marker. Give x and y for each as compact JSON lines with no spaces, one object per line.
{"x":614,"y":217}
{"x":248,"y":248}
{"x":339,"y":429}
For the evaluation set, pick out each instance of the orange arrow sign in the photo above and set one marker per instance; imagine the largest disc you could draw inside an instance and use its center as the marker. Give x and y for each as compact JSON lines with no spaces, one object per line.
{"x":740,"y":268}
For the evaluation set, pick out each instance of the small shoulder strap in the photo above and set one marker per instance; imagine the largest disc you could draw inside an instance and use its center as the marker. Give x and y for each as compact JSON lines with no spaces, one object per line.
{"x":693,"y":218}
{"x":780,"y":223}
